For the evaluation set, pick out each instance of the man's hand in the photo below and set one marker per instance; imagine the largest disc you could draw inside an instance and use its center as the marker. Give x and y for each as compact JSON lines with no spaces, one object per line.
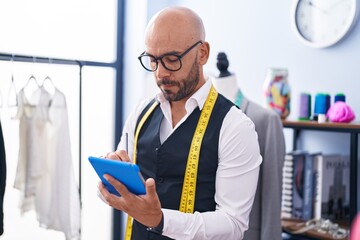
{"x":118,"y":155}
{"x":146,"y":209}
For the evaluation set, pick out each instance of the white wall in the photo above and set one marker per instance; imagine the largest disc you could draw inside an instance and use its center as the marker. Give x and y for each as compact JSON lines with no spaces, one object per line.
{"x":258,"y":34}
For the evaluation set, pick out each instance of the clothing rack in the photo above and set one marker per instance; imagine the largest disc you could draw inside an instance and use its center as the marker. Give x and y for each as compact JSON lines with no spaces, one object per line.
{"x":117,"y":219}
{"x":117,"y":215}
{"x":117,"y":65}
{"x":35,"y":59}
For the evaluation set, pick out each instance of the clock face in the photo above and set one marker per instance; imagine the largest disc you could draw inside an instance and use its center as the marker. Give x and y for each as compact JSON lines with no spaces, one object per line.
{"x":322,"y":23}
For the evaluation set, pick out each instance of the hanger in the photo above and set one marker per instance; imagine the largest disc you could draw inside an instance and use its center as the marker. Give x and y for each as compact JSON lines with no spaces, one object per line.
{"x":31,"y":86}
{"x":47,"y":78}
{"x":34,"y":80}
{"x":32,"y":77}
{"x":29,"y":89}
{"x":50,"y":87}
{"x":12,"y":90}
{"x":12,"y":102}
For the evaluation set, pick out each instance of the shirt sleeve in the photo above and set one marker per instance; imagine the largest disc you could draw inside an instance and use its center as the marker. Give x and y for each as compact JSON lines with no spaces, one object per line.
{"x":236,"y":182}
{"x":127,"y":143}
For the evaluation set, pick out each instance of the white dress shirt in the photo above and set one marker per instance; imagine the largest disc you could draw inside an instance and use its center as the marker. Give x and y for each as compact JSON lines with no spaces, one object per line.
{"x":236,"y":177}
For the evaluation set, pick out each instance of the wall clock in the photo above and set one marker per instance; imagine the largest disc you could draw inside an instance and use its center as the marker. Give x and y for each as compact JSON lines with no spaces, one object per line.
{"x":322,"y":23}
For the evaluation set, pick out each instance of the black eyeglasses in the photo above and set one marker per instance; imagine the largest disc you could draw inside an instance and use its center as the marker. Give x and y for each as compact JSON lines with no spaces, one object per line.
{"x":170,"y":61}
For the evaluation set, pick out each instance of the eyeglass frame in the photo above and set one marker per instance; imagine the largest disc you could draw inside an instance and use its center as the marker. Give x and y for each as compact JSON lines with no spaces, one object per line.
{"x":144,"y":54}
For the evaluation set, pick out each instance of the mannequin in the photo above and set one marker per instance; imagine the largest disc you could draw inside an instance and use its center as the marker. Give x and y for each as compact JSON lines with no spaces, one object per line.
{"x":226,"y":82}
{"x":265,"y":216}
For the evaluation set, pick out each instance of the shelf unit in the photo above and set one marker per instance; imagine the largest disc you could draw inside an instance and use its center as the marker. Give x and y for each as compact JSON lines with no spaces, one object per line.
{"x":353,"y":129}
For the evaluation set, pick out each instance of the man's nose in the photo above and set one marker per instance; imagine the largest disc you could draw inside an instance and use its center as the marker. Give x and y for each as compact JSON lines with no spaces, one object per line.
{"x":161,"y":71}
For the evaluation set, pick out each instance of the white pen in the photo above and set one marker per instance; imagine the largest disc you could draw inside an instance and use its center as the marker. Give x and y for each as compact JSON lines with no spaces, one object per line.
{"x":126,"y":142}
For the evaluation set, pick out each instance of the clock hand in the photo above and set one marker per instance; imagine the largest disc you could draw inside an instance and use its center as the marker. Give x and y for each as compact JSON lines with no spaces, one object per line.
{"x":334,"y":4}
{"x":310,"y":3}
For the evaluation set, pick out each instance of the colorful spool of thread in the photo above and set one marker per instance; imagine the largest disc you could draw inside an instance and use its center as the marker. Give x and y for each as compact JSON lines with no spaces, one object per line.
{"x":322,"y":103}
{"x":339,"y":97}
{"x":305,"y":106}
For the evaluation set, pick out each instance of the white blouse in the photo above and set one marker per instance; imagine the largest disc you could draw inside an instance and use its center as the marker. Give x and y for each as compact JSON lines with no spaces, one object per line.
{"x":45,"y":174}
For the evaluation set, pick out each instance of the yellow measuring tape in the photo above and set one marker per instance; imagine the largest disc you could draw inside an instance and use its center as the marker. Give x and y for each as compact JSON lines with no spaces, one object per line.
{"x":141,"y":123}
{"x":187,"y":201}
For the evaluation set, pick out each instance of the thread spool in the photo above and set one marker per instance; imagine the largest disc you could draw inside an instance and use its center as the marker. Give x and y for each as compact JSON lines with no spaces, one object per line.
{"x":305,"y":106}
{"x":322,"y":103}
{"x":339,"y":97}
{"x":328,"y":102}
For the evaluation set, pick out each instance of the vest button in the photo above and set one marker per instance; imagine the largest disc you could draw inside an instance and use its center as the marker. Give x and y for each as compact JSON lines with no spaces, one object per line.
{"x":160,"y":180}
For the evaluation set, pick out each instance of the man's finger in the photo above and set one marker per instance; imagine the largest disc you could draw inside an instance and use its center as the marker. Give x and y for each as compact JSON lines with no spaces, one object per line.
{"x":104,"y":192}
{"x":122,"y":190}
{"x":123,"y":155}
{"x":150,"y":188}
{"x":113,"y":156}
{"x":99,"y":194}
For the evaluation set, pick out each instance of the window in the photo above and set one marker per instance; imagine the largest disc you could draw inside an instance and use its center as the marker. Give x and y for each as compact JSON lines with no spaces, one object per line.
{"x":69,"y":29}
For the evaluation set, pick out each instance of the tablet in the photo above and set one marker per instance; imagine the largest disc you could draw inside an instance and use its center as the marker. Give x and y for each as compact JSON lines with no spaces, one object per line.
{"x":125,"y":172}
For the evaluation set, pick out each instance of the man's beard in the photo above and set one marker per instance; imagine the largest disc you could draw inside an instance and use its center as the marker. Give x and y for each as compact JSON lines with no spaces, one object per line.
{"x":186,"y":86}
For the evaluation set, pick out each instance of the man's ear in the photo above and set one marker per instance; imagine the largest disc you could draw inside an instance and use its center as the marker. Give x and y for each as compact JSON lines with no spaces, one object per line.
{"x":204,"y":53}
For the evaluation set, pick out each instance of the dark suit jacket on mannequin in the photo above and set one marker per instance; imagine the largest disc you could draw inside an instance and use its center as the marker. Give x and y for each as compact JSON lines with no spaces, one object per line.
{"x":2,"y":179}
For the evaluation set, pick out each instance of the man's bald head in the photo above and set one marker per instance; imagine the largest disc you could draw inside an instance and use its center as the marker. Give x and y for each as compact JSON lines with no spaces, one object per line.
{"x":175,"y":24}
{"x":175,"y":38}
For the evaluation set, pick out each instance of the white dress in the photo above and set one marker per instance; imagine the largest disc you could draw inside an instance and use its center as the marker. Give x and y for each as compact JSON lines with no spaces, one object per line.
{"x":49,"y":184}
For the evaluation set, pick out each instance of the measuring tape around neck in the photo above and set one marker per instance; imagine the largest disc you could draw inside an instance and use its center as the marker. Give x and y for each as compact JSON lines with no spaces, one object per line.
{"x":187,"y":201}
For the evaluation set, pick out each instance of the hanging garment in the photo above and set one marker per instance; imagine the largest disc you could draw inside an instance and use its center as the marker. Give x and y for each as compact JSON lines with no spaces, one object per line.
{"x":33,"y":120}
{"x":45,"y":173}
{"x":58,"y":201}
{"x":2,"y":179}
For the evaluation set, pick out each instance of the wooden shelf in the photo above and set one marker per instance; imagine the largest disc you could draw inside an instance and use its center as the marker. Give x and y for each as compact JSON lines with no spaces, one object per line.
{"x":291,"y":225}
{"x":327,"y":126}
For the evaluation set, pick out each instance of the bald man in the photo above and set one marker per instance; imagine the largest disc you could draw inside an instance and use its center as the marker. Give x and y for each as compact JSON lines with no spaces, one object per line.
{"x":198,"y":153}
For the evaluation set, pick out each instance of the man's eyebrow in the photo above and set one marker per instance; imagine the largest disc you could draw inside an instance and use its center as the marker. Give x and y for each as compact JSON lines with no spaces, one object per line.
{"x":167,"y":53}
{"x":173,"y":52}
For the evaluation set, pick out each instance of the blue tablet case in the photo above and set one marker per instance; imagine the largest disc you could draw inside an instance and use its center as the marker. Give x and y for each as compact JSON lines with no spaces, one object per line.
{"x":125,"y":172}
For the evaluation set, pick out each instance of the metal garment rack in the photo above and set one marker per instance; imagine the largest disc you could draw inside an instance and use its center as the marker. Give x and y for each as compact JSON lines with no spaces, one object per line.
{"x":118,"y":114}
{"x":33,"y":59}
{"x":118,"y":66}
